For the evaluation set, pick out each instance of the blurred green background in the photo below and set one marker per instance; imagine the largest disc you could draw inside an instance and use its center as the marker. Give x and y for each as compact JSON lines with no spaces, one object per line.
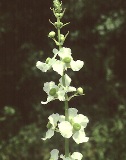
{"x":98,"y":37}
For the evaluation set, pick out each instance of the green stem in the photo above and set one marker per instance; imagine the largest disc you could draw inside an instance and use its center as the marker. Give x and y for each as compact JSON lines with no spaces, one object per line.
{"x":66,"y":119}
{"x":66,"y":101}
{"x":58,"y":20}
{"x":66,"y":139}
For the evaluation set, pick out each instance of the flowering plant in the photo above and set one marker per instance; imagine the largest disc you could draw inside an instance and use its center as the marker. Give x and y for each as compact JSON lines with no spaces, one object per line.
{"x":71,"y":124}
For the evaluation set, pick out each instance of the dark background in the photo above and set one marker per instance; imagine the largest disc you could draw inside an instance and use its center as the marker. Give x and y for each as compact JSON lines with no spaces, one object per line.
{"x":98,"y":37}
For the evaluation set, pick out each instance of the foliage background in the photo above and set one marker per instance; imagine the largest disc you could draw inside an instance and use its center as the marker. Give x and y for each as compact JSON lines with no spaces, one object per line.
{"x":98,"y":37}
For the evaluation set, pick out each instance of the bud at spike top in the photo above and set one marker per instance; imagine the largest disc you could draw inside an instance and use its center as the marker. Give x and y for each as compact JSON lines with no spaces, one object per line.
{"x":57,"y":6}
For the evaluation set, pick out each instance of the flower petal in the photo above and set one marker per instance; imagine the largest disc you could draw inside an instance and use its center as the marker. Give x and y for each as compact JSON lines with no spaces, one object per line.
{"x":81,"y":119}
{"x":48,"y":86}
{"x":76,"y":65}
{"x":58,"y":66}
{"x":77,"y":156}
{"x":65,"y":158}
{"x":64,"y":52}
{"x":42,"y":66}
{"x":54,"y":154}
{"x":49,"y":99}
{"x":55,"y":51}
{"x":49,"y":134}
{"x":72,"y":112}
{"x":67,"y":80}
{"x":61,"y":118}
{"x":61,"y":95}
{"x":54,"y":119}
{"x":79,"y":137}
{"x":71,"y":89}
{"x":65,"y":129}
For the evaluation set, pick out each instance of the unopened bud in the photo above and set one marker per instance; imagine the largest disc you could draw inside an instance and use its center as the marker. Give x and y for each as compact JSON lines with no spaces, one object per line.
{"x":58,"y":24}
{"x":62,"y":38}
{"x":47,"y":60}
{"x":76,"y":126}
{"x":52,"y":92}
{"x":59,"y":15}
{"x":57,"y":6}
{"x":80,"y":90}
{"x":67,"y":59}
{"x":51,"y":34}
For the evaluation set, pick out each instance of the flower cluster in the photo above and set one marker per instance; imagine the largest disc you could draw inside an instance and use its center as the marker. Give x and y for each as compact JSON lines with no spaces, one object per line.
{"x":74,"y":127}
{"x":66,"y":61}
{"x":71,"y":125}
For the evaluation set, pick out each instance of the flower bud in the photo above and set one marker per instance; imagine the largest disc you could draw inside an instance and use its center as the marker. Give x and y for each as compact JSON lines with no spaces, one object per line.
{"x":57,"y":6}
{"x":62,"y":38}
{"x":76,"y":126}
{"x":49,"y":125}
{"x":67,"y":59}
{"x":47,"y":60}
{"x":80,"y":90}
{"x":58,"y":24}
{"x":51,"y":34}
{"x":59,"y":15}
{"x":52,"y":91}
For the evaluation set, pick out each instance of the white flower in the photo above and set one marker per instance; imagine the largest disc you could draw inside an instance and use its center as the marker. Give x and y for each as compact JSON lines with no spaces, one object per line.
{"x":54,"y":154}
{"x":65,"y":129}
{"x":53,"y":120}
{"x":66,"y":61}
{"x":50,"y":86}
{"x":75,"y":126}
{"x":53,"y":92}
{"x":58,"y":92}
{"x":79,"y":122}
{"x":44,"y":67}
{"x":74,"y":156}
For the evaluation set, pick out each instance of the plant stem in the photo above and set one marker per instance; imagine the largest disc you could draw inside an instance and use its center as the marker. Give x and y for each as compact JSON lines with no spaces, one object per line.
{"x":58,"y":21}
{"x":66,"y":139}
{"x":66,"y":101}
